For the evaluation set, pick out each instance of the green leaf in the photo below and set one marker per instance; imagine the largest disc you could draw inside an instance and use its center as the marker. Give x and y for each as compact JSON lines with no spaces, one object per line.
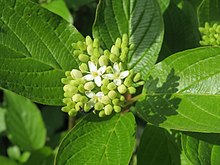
{"x":185,"y":160}
{"x":157,"y":146}
{"x":35,"y":51}
{"x":2,"y":120}
{"x":43,"y":156}
{"x":182,"y":92}
{"x":141,"y":20}
{"x":59,"y":7}
{"x":201,"y":149}
{"x":163,"y":4}
{"x":99,"y":141}
{"x":181,"y":29}
{"x":208,"y":11}
{"x":6,"y":161}
{"x":24,"y":123}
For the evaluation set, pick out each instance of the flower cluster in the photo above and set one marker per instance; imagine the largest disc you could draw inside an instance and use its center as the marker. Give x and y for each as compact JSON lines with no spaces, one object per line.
{"x":210,"y":34}
{"x":102,"y":82}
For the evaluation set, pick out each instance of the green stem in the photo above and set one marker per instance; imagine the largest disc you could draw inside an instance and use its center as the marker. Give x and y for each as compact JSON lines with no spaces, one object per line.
{"x":71,"y":122}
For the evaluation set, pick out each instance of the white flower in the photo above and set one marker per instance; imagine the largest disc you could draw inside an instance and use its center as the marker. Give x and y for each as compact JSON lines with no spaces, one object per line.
{"x":94,"y":98}
{"x":95,"y":74}
{"x":117,"y":75}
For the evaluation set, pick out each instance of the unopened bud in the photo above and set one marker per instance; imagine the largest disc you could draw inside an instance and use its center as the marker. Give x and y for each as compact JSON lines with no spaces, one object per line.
{"x":128,"y":82}
{"x":89,"y":40}
{"x":72,"y":112}
{"x":107,"y":53}
{"x":124,"y":40}
{"x":67,"y":73}
{"x":137,"y":77}
{"x":83,"y":68}
{"x":101,"y":113}
{"x":103,"y":61}
{"x":104,"y":89}
{"x":76,"y":74}
{"x":77,"y":52}
{"x":105,"y":100}
{"x":76,"y":97}
{"x":99,"y":106}
{"x":78,"y":106}
{"x":83,"y":58}
{"x":90,"y":50}
{"x":118,"y":42}
{"x":108,"y":109}
{"x":70,"y":88}
{"x":111,"y":86}
{"x":115,"y":50}
{"x":105,"y":82}
{"x":122,"y":98}
{"x":94,"y":59}
{"x":96,"y":43}
{"x":132,"y":90}
{"x":66,"y":100}
{"x":65,"y":109}
{"x":84,"y":99}
{"x":115,"y":101}
{"x":122,"y":89}
{"x":113,"y":58}
{"x":86,"y":107}
{"x":81,"y":45}
{"x":117,"y":109}
{"x":112,"y":94}
{"x":96,"y":52}
{"x":89,"y":86}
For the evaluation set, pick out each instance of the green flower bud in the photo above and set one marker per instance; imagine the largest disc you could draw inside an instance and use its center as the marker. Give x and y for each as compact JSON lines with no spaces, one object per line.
{"x":71,"y":104}
{"x":107,"y":53}
{"x":140,"y":83}
{"x":122,"y":98}
{"x":72,"y":112}
{"x":108,"y":109}
{"x":105,"y":100}
{"x":67,"y":73}
{"x":131,"y":46}
{"x":137,"y":77}
{"x":86,"y":107}
{"x":70,"y":88}
{"x":81,"y":88}
{"x":109,"y":69}
{"x":90,"y":50}
{"x":81,"y":45}
{"x":207,"y":26}
{"x":101,"y":113}
{"x":66,"y":100}
{"x":117,"y":109}
{"x":104,"y":89}
{"x":84,"y":99}
{"x":89,"y":86}
{"x":89,"y":40}
{"x":75,"y":46}
{"x":115,"y":101}
{"x":74,"y":83}
{"x":83,"y":58}
{"x":94,"y":59}
{"x":105,"y":82}
{"x":124,"y":40}
{"x":67,"y":94}
{"x":96,"y":52}
{"x":99,"y":106}
{"x":128,"y":82}
{"x":76,"y":97}
{"x":83,"y":68}
{"x":123,"y":57}
{"x":113,"y":58}
{"x":111,"y":86}
{"x":76,"y":74}
{"x":65,"y":109}
{"x":103,"y":61}
{"x":77,"y":52}
{"x":78,"y":106}
{"x":96,"y":43}
{"x":112,"y":94}
{"x":65,"y":81}
{"x":132,"y":90}
{"x":122,"y":89}
{"x":115,"y":50}
{"x":118,"y":42}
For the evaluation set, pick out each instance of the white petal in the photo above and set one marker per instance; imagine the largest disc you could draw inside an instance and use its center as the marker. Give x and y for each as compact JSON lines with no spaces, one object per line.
{"x":99,"y":95}
{"x":98,"y":81}
{"x":102,"y":70}
{"x":92,"y":67}
{"x":90,"y":94}
{"x":89,"y":77}
{"x":124,"y":74}
{"x":117,"y":81}
{"x":116,"y":67}
{"x":108,"y":76}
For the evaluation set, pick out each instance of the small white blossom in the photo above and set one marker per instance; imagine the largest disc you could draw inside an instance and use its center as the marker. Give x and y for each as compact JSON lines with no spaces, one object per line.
{"x":94,"y":98}
{"x":117,"y":75}
{"x":95,"y":74}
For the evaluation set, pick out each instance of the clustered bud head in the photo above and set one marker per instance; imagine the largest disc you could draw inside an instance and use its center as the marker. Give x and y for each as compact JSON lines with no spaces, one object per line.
{"x":210,"y":34}
{"x":102,"y":79}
